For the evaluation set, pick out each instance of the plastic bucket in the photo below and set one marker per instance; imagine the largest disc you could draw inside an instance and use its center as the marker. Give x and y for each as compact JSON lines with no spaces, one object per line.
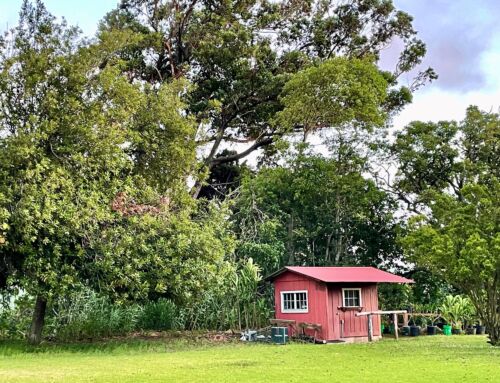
{"x":382,"y":328}
{"x":431,"y":330}
{"x":447,"y":329}
{"x":471,"y":330}
{"x":414,"y":331}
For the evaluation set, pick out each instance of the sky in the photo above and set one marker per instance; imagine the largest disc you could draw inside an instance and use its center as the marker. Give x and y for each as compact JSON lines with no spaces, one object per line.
{"x":462,"y":38}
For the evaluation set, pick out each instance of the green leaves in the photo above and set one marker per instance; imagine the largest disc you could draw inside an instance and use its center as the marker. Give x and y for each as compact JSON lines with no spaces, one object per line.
{"x":314,"y":211}
{"x":456,"y":310}
{"x":337,"y":92}
{"x":240,"y":54}
{"x":93,"y":172}
{"x":452,"y":170}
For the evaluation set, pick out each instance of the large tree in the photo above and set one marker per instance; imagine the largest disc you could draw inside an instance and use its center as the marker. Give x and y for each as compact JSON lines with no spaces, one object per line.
{"x":240,"y":54}
{"x":93,"y":173}
{"x":311,"y":211}
{"x":449,"y":173}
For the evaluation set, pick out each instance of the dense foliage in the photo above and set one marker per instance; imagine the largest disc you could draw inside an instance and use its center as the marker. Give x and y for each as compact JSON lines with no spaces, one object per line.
{"x":452,"y":170}
{"x":92,"y":175}
{"x":233,"y":300}
{"x":240,"y":54}
{"x":123,"y":202}
{"x":313,"y":211}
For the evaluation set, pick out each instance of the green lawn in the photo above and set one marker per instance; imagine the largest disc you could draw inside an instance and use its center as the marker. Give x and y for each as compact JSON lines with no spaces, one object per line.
{"x":425,"y":359}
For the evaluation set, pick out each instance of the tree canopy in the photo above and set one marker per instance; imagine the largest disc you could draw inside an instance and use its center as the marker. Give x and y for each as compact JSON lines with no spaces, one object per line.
{"x":93,"y":173}
{"x":240,"y":54}
{"x":311,"y":212}
{"x":451,"y":169}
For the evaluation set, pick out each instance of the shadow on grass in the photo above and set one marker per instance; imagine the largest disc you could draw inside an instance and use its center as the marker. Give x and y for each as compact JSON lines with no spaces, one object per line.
{"x":110,"y":346}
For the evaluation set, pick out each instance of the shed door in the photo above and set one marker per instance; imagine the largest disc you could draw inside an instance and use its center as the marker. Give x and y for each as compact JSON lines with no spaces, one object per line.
{"x":350,"y":324}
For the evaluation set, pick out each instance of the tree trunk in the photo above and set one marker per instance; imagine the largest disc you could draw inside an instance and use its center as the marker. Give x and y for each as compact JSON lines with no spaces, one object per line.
{"x":493,"y":333}
{"x":290,"y":242}
{"x":492,"y":323}
{"x":35,"y":335}
{"x":327,"y":250}
{"x":492,"y":317}
{"x":488,"y":310}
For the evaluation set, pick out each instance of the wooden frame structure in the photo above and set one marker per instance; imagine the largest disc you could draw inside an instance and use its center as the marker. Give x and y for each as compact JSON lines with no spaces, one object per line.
{"x":369,"y":315}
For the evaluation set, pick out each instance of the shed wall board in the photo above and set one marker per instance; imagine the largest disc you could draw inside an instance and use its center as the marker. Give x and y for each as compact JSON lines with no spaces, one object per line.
{"x":355,"y":326}
{"x":317,"y":300}
{"x":324,"y":306}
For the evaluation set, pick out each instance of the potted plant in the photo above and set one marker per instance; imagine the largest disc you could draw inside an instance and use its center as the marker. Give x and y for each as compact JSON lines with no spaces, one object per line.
{"x":469,"y":316}
{"x":480,"y":329}
{"x":414,"y":329}
{"x":470,"y":330}
{"x":447,"y":329}
{"x":452,"y":311}
{"x":447,"y":313}
{"x":457,"y":310}
{"x":432,"y":328}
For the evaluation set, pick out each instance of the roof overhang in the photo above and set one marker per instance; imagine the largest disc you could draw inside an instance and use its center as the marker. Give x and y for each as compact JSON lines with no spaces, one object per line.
{"x":342,"y":274}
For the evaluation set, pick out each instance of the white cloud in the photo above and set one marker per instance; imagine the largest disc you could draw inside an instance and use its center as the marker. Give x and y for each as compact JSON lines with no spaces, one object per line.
{"x":437,"y":104}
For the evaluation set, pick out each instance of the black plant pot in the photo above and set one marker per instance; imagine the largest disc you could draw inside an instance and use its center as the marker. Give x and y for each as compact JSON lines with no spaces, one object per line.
{"x":456,"y":331}
{"x":470,"y":330}
{"x":414,"y":331}
{"x":432,"y":330}
{"x":405,"y":330}
{"x":480,"y":330}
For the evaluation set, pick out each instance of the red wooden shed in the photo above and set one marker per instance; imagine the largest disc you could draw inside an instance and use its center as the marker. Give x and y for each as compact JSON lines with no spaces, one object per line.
{"x":330,"y":297}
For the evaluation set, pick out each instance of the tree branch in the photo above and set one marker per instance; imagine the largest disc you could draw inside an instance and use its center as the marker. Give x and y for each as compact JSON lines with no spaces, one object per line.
{"x":235,"y":157}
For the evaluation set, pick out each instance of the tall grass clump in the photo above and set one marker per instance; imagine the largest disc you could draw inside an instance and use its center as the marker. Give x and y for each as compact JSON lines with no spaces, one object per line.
{"x":86,"y":315}
{"x":238,"y":302}
{"x":159,"y":315}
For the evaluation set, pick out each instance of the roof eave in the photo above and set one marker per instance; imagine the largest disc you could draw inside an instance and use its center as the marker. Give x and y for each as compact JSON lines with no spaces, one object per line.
{"x":276,"y":274}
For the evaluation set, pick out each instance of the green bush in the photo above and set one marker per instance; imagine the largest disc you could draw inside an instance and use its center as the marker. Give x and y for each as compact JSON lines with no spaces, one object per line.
{"x":15,"y":316}
{"x":160,"y":315}
{"x":235,"y":301}
{"x":457,"y":310}
{"x":87,"y":315}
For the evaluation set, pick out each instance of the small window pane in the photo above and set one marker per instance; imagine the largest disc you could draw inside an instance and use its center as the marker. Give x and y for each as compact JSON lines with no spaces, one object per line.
{"x":288,"y":301}
{"x":294,"y":301}
{"x":352,"y":298}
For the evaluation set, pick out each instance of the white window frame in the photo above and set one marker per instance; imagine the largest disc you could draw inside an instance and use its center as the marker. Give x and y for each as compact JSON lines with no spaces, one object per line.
{"x":350,"y":289}
{"x":283,"y":310}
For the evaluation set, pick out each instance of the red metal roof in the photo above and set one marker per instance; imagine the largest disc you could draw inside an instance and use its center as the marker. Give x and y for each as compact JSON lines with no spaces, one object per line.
{"x":345,"y":274}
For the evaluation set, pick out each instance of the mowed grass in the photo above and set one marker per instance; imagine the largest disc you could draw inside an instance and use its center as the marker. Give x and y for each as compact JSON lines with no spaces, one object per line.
{"x":423,"y":359}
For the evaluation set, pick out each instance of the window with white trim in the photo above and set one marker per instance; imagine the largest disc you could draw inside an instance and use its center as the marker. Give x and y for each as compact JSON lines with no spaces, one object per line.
{"x":294,"y":301}
{"x":351,"y":297}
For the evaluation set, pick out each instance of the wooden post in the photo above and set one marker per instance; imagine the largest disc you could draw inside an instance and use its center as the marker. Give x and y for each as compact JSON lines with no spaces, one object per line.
{"x":395,"y":319}
{"x":369,"y":314}
{"x":370,"y":328}
{"x":405,"y":319}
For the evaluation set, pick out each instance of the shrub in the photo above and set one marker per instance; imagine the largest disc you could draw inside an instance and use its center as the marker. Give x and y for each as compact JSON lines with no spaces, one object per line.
{"x":86,"y":315}
{"x":15,"y":316}
{"x":160,"y":315}
{"x":456,"y":310}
